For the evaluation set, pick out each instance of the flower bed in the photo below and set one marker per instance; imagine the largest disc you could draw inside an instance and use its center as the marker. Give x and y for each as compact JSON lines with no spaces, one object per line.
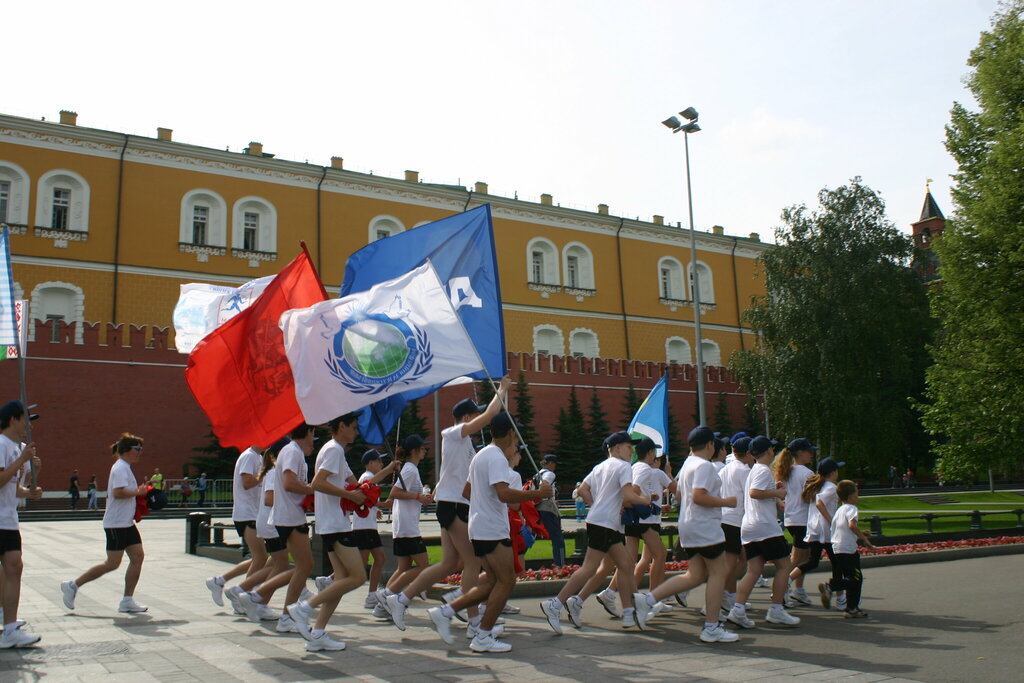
{"x":564,"y":572}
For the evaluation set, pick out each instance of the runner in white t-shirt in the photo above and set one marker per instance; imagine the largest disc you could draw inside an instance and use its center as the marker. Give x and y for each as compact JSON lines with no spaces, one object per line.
{"x":119,"y":526}
{"x":734,"y":481}
{"x":364,"y":529}
{"x":845,"y":533}
{"x":457,"y":452}
{"x":820,"y":494}
{"x":790,"y":467}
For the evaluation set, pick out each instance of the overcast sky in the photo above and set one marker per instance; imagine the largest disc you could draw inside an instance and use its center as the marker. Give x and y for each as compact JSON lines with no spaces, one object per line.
{"x":530,"y":96}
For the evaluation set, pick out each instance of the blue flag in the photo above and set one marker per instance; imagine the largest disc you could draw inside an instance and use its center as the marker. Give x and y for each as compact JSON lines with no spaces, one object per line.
{"x":651,"y":419}
{"x":8,"y":317}
{"x":461,"y":248}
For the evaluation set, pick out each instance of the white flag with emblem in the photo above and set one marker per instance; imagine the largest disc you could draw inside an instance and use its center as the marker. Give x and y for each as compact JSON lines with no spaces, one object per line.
{"x":202,"y":308}
{"x":399,"y":335}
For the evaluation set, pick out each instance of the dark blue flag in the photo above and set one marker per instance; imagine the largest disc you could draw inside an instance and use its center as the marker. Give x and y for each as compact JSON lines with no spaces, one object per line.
{"x":461,"y":248}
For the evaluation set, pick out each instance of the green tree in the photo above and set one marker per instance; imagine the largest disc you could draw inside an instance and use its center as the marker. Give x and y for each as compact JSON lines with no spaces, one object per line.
{"x":752,"y":417}
{"x":630,"y":405}
{"x":597,"y":421}
{"x":721,"y":421}
{"x":575,"y":458}
{"x":524,"y":414}
{"x":843,"y":329}
{"x":217,"y":461}
{"x":974,"y":388}
{"x":676,"y":442}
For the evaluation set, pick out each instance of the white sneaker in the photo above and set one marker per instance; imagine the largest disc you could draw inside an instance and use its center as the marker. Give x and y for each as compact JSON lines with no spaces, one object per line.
{"x":661,"y":608}
{"x":18,"y":638}
{"x":611,"y":606}
{"x":826,"y":595}
{"x":718,"y":634}
{"x":777,"y":615}
{"x":451,"y":595}
{"x":216,"y":591}
{"x":267,"y":614}
{"x":380,"y":613}
{"x":629,"y":621}
{"x":722,"y":614}
{"x":68,"y":591}
{"x":249,"y":606}
{"x":232,"y":595}
{"x":129,"y":605}
{"x":441,"y":624}
{"x":382,"y":600}
{"x":322,"y":582}
{"x":840,"y":599}
{"x":761,"y":582}
{"x":510,"y":609}
{"x":573,"y":608}
{"x":324,"y":642}
{"x":799,"y":595}
{"x":728,"y":602}
{"x":371,"y":601}
{"x":306,"y":594}
{"x":643,"y":610}
{"x":553,"y":613}
{"x":681,"y":598}
{"x":397,"y":609}
{"x":286,"y":625}
{"x":739,"y":618}
{"x":489,"y":644}
{"x":301,"y":612}
{"x":498,"y":631}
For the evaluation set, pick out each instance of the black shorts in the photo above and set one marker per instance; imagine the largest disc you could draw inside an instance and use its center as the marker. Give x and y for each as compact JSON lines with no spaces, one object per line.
{"x":240,"y":527}
{"x":638,"y":530}
{"x":797,"y":533}
{"x":770,"y":549}
{"x":602,"y":538}
{"x":344,"y":538}
{"x":481,"y":548}
{"x":407,"y":547}
{"x":273,"y":545}
{"x":367,"y":539}
{"x":283,"y":532}
{"x":732,"y":539}
{"x":447,"y":511}
{"x":124,"y":537}
{"x":10,"y":540}
{"x":708,"y":552}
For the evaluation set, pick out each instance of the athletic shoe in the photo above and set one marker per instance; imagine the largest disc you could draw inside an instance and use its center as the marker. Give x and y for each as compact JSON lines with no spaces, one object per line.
{"x":371,"y":601}
{"x":510,"y":609}
{"x":286,"y":625}
{"x":423,"y":595}
{"x":826,"y":595}
{"x":489,"y":644}
{"x":740,"y":619}
{"x":301,"y":612}
{"x":232,"y":595}
{"x":643,"y":610}
{"x":498,"y":631}
{"x":573,"y":607}
{"x":722,"y":614}
{"x":249,"y":606}
{"x":788,"y":602}
{"x":306,"y":594}
{"x":451,"y":595}
{"x":661,"y":608}
{"x":629,"y":621}
{"x":322,"y":582}
{"x":481,"y":608}
{"x":799,"y":595}
{"x":762,"y":582}
{"x":553,"y":613}
{"x":397,"y":609}
{"x":778,"y":615}
{"x":216,"y":591}
{"x":609,"y":603}
{"x":267,"y":614}
{"x":718,"y":634}
{"x":129,"y":605}
{"x":324,"y":642}
{"x":380,"y":612}
{"x":18,"y":638}
{"x":855,"y":614}
{"x":68,"y":591}
{"x":841,"y":601}
{"x":441,"y":624}
{"x":728,"y":602}
{"x":382,"y":600}
{"x":681,"y":598}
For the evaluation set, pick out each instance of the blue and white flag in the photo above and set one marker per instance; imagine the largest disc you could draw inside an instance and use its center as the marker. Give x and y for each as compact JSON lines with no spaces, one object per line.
{"x":8,"y":315}
{"x":651,"y":419}
{"x":202,"y":308}
{"x":461,"y":248}
{"x":401,"y":335}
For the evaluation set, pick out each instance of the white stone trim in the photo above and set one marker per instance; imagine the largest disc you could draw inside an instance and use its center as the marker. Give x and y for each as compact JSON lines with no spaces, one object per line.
{"x":677,"y":283}
{"x":569,"y":313}
{"x":78,"y":213}
{"x":705,"y":296}
{"x":587,"y":265}
{"x":77,"y":314}
{"x":216,"y":228}
{"x":382,"y":222}
{"x":266,"y":237}
{"x":688,"y":360}
{"x":586,"y":330}
{"x":17,"y":203}
{"x":560,"y":351}
{"x":551,"y":274}
{"x":714,"y":351}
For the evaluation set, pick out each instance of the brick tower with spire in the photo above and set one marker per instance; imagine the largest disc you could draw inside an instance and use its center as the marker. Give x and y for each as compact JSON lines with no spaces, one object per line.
{"x":926,"y":230}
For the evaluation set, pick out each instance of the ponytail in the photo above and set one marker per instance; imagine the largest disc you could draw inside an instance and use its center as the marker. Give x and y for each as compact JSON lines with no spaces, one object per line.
{"x":782,"y":465}
{"x":268,"y":464}
{"x":401,"y":454}
{"x":811,"y":487}
{"x":125,"y":443}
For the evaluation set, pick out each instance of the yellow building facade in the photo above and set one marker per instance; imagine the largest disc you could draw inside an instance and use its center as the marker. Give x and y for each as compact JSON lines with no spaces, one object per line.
{"x":106,"y":226}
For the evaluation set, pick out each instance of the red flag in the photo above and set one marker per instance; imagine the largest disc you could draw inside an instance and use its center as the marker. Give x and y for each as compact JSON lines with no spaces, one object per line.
{"x":239,"y":373}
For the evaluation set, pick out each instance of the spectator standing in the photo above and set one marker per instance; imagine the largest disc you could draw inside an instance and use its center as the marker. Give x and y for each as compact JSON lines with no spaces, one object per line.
{"x":73,"y":490}
{"x":92,"y":494}
{"x":548,"y":508}
{"x":581,"y":505}
{"x":201,"y":488}
{"x":156,"y":480}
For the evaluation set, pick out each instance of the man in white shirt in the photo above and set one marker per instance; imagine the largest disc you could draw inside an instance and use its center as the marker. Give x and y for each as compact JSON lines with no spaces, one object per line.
{"x":550,"y":517}
{"x":734,"y":482}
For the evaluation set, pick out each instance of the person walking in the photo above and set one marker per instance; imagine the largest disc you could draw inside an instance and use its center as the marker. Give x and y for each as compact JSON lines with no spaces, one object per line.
{"x":73,"y":490}
{"x":92,"y":494}
{"x":548,"y":508}
{"x":790,"y":468}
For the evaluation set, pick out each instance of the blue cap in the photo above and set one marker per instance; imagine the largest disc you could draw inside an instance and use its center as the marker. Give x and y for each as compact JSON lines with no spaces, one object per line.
{"x":615,"y":438}
{"x":801,"y":444}
{"x":737,"y":436}
{"x":828,"y":465}
{"x":646,"y":445}
{"x":502,"y":424}
{"x":700,"y":435}
{"x":741,"y":445}
{"x":466,"y":406}
{"x":414,"y":441}
{"x":761,"y":444}
{"x":370,"y":455}
{"x":550,"y":457}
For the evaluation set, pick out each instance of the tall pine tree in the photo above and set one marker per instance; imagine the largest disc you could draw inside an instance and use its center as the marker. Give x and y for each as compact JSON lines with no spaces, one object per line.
{"x":722,"y":422}
{"x":574,"y":457}
{"x":631,"y":404}
{"x":597,"y":424}
{"x":524,"y":414}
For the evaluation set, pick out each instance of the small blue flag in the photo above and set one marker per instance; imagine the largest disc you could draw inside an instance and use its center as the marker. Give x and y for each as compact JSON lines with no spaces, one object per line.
{"x":651,"y":420}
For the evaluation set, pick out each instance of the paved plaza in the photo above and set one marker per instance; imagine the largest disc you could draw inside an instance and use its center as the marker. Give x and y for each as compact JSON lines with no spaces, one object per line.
{"x":948,"y":621}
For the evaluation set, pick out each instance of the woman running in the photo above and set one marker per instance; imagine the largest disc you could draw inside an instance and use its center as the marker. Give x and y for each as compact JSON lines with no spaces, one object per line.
{"x":790,"y":468}
{"x":820,"y":494}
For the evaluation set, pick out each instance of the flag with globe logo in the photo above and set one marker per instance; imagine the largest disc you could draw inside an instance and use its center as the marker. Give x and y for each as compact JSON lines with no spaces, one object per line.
{"x":651,"y":419}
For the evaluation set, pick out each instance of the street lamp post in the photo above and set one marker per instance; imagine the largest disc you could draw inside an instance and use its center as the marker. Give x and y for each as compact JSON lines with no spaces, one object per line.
{"x":673,"y":123}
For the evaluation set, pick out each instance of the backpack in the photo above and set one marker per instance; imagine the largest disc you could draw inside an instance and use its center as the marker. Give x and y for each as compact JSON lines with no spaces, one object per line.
{"x":546,"y":504}
{"x":156,"y":499}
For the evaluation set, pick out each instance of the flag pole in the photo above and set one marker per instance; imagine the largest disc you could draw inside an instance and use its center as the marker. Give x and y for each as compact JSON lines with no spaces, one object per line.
{"x":22,"y":350}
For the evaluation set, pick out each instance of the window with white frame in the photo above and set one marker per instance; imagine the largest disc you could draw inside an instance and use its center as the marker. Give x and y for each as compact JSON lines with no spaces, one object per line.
{"x":14,"y":184}
{"x":200,"y":222}
{"x":712,"y":355}
{"x":61,"y":207}
{"x":203,"y":219}
{"x":383,"y":227}
{"x":254,"y":225}
{"x":5,"y":199}
{"x":542,"y":262}
{"x":583,"y":343}
{"x":547,"y":339}
{"x":250,"y":230}
{"x":707,"y":285}
{"x":58,"y":302}
{"x":670,"y":279}
{"x":578,"y":264}
{"x":677,"y":350}
{"x":63,"y":201}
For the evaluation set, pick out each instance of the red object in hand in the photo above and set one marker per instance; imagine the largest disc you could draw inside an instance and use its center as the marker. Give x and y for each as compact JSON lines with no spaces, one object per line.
{"x":142,"y":504}
{"x":372,"y":493}
{"x":307,"y":503}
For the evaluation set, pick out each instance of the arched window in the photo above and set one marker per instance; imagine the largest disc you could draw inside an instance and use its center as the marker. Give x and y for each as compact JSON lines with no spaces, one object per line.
{"x":203,"y":219}
{"x":14,"y":184}
{"x":577,"y":266}
{"x":254,"y":225}
{"x":677,"y":350}
{"x":707,"y":284}
{"x":58,"y":301}
{"x":583,"y":342}
{"x":711,"y":353}
{"x":384,"y":226}
{"x":548,"y":339}
{"x":670,"y":279}
{"x":541,"y":262}
{"x":62,"y":201}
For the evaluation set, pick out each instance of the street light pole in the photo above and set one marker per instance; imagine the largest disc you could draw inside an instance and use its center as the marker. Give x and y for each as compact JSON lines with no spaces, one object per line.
{"x":695,"y":281}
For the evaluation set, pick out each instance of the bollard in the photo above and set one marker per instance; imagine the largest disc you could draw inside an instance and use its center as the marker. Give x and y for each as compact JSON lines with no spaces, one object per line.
{"x":876,"y":525}
{"x":976,"y":520}
{"x":928,"y":517}
{"x":197,"y":530}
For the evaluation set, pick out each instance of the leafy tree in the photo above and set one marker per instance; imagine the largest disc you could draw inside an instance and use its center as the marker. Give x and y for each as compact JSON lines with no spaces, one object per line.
{"x":597,"y":422}
{"x":974,"y":387}
{"x":630,"y":405}
{"x":843,"y":328}
{"x":721,"y":421}
{"x":752,"y":417}
{"x":217,"y":461}
{"x":524,"y":413}
{"x":575,"y":456}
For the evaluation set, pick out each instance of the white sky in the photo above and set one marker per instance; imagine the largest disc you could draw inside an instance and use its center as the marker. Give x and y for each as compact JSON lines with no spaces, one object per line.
{"x":530,"y":96}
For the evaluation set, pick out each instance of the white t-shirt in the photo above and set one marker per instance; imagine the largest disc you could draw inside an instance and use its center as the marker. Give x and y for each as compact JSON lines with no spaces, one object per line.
{"x":515,"y":480}
{"x":548,"y":477}
{"x":652,"y":483}
{"x":699,"y":526}
{"x":606,"y":482}
{"x":734,"y":483}
{"x":264,"y":527}
{"x":120,"y":512}
{"x":760,"y":519}
{"x":456,"y":453}
{"x":287,"y":505}
{"x":843,"y":538}
{"x":488,"y":516}
{"x":719,"y":465}
{"x":370,"y":520}
{"x":796,"y":508}
{"x":405,"y":513}
{"x":817,"y":528}
{"x":247,"y":501}
{"x":330,"y":518}
{"x":9,"y":452}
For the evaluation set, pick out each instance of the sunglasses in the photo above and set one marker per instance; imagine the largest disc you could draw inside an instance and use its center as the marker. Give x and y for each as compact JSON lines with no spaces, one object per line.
{"x":137,"y":448}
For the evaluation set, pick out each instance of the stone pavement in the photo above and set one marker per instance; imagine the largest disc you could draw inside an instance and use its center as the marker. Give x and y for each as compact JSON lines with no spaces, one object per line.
{"x":185,"y":637}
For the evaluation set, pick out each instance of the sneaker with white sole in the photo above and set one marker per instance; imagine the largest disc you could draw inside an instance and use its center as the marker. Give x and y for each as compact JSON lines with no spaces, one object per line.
{"x":129,"y":605}
{"x":371,"y":601}
{"x":778,"y":615}
{"x":18,"y":638}
{"x":739,"y":618}
{"x":441,"y":624}
{"x":301,"y":612}
{"x":250,"y":606}
{"x":840,"y":600}
{"x":306,"y":594}
{"x":826,"y":595}
{"x":799,"y":596}
{"x":488,"y":644}
{"x":573,"y":608}
{"x":553,"y":613}
{"x":232,"y":595}
{"x":322,"y":582}
{"x":718,"y":634}
{"x":267,"y":614}
{"x":661,"y":608}
{"x":451,"y":595}
{"x":497,"y":631}
{"x":643,"y":609}
{"x":629,"y":621}
{"x":68,"y":591}
{"x":722,"y":614}
{"x":286,"y":625}
{"x":728,"y":602}
{"x":681,"y":598}
{"x":761,"y":582}
{"x":382,"y":599}
{"x":611,"y":606}
{"x":510,"y":609}
{"x":380,"y":613}
{"x":216,"y":591}
{"x":397,"y":609}
{"x":324,"y":642}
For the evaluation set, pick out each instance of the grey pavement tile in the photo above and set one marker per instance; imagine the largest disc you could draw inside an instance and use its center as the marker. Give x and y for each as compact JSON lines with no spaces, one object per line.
{"x":732,"y":674}
{"x":866,"y":678}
